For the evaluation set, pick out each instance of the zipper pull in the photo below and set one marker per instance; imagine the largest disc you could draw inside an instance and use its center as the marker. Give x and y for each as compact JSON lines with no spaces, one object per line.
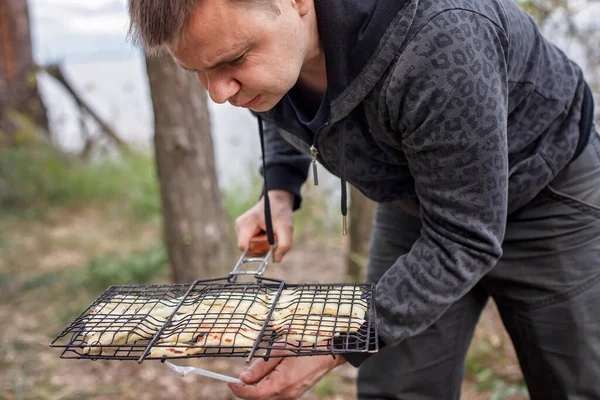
{"x":314,"y":152}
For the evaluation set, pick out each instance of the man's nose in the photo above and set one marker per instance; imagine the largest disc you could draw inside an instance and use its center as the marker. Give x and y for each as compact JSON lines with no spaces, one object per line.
{"x":221,"y":87}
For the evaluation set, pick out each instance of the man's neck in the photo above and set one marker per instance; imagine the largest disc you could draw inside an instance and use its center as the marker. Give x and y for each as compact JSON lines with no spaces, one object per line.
{"x":313,"y":75}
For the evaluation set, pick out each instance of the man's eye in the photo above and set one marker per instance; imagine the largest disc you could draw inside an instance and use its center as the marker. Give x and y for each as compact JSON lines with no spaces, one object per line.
{"x":239,"y":60}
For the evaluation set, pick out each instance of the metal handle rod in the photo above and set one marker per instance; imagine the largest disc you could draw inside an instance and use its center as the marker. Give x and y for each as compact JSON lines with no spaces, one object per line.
{"x":264,"y":261}
{"x":185,"y":371}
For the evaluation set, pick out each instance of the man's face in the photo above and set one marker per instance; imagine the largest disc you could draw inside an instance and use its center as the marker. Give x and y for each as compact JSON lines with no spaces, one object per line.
{"x":244,"y":54}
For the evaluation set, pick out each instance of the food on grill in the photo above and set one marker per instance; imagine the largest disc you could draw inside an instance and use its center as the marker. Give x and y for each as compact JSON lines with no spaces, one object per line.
{"x":117,"y":331}
{"x":242,"y":340}
{"x":228,"y":320}
{"x":322,"y":323}
{"x":314,"y":328}
{"x":316,"y":307}
{"x":313,"y":316}
{"x":184,"y":328}
{"x":125,"y":305}
{"x":206,"y":323}
{"x":116,"y":322}
{"x":225,"y":297}
{"x":347,"y":302}
{"x":127,"y":320}
{"x":123,"y":320}
{"x":248,"y":307}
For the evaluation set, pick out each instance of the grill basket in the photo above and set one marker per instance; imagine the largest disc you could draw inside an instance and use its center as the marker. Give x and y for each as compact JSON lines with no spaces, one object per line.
{"x":224,"y":318}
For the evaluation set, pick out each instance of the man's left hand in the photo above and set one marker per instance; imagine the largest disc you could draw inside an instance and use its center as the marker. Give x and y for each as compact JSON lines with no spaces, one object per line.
{"x":283,"y":377}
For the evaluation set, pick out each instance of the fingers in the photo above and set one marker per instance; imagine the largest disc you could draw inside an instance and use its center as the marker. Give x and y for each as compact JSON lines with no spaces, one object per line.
{"x":282,"y":378}
{"x":247,"y":226}
{"x":284,"y":233}
{"x":248,"y":392}
{"x":283,"y":221}
{"x":252,"y":222}
{"x":259,"y":369}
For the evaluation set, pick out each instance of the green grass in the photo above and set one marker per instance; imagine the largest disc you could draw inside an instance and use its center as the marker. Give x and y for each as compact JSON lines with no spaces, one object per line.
{"x":479,"y":368}
{"x":326,"y":386}
{"x":109,"y":269}
{"x":500,"y":389}
{"x":113,"y":269}
{"x":37,"y":177}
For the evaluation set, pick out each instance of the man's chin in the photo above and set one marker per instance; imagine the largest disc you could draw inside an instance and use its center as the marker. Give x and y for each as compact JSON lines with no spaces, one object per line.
{"x":264,"y":106}
{"x":261,"y":108}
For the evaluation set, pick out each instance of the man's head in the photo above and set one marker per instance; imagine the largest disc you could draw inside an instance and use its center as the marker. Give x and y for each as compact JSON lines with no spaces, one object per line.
{"x":247,"y":52}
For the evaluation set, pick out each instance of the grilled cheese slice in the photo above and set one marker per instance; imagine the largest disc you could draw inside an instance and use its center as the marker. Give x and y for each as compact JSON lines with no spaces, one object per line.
{"x":211,"y":342}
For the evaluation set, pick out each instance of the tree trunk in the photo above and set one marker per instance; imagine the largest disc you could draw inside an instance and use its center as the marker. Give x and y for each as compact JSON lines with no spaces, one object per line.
{"x":196,"y":227}
{"x":18,"y":86}
{"x":362,"y":211}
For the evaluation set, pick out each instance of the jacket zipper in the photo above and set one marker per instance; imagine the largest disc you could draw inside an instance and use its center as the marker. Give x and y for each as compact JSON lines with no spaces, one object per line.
{"x":314,"y":153}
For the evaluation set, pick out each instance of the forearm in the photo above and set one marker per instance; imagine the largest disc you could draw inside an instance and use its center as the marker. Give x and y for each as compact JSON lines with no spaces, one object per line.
{"x":422,"y":284}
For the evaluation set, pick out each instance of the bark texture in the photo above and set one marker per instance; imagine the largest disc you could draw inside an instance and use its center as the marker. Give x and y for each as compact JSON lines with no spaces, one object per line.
{"x":362,"y":211}
{"x":19,"y":95}
{"x":196,"y":227}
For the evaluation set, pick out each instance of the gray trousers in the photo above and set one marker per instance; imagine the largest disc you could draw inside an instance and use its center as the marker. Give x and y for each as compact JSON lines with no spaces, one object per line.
{"x":546,"y":287}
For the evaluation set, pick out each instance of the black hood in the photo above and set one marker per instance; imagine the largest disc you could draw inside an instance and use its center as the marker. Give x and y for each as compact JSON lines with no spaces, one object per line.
{"x":350,"y":33}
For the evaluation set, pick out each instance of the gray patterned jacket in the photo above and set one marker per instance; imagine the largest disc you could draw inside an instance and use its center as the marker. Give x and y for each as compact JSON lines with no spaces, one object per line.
{"x":461,"y":104}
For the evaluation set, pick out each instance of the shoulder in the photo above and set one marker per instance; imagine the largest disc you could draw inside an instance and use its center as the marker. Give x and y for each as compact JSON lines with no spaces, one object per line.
{"x":457,"y":12}
{"x":456,"y":55}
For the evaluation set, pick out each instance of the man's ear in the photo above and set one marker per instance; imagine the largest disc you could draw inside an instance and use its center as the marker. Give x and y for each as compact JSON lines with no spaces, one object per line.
{"x":303,"y":6}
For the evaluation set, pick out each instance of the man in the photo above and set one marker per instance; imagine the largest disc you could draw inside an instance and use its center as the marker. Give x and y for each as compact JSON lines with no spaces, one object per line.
{"x":472,"y":132}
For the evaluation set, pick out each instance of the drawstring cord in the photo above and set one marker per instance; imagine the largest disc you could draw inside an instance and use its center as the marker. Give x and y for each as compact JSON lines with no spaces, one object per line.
{"x":268,"y":221}
{"x":344,"y":189}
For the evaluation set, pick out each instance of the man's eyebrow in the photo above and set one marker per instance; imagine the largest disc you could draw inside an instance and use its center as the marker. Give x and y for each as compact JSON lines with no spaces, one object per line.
{"x":225,"y":60}
{"x":228,"y":59}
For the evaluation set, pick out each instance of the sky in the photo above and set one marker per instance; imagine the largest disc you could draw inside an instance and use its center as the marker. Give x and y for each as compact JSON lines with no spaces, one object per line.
{"x":79,"y":31}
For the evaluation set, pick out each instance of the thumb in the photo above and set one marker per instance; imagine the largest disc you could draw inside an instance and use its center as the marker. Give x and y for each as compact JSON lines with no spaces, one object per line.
{"x":259,"y":369}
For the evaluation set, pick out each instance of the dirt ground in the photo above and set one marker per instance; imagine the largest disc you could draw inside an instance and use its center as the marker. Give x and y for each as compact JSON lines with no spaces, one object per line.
{"x":35,"y":307}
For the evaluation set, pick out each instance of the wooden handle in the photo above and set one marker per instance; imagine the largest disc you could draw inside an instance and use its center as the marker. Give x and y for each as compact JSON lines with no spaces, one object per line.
{"x":259,"y":246}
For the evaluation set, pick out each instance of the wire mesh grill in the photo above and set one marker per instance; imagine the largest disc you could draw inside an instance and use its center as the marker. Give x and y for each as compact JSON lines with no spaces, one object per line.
{"x":220,"y":318}
{"x":313,"y":319}
{"x":120,"y":323}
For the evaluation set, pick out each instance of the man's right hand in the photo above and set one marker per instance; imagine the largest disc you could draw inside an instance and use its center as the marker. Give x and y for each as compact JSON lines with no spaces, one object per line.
{"x":252,"y":222}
